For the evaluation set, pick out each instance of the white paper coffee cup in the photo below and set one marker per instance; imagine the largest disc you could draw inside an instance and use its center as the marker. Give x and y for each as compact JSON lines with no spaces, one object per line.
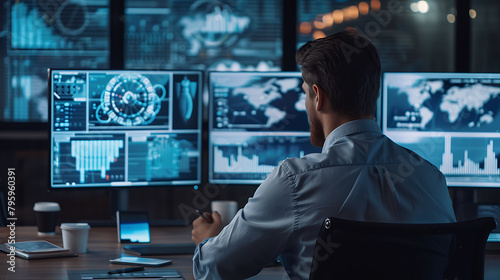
{"x":75,"y":236}
{"x":226,"y":208}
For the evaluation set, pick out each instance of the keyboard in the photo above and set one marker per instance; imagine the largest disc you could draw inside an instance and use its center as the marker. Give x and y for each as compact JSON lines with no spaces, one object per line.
{"x":161,"y":249}
{"x":157,"y":273}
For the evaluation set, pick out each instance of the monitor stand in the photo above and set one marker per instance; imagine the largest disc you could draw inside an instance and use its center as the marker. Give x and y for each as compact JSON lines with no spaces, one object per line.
{"x":119,"y":200}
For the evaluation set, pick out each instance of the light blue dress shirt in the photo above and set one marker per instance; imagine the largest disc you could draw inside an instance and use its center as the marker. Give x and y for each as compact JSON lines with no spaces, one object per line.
{"x":360,"y":175}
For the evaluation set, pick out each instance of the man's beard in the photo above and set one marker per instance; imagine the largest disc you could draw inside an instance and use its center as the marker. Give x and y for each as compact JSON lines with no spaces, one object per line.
{"x":317,"y":135}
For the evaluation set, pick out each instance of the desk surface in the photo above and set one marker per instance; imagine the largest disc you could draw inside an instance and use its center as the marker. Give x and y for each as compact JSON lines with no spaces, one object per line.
{"x":103,"y":246}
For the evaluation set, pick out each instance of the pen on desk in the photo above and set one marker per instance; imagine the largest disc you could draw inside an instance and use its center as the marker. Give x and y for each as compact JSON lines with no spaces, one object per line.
{"x":125,"y":270}
{"x":204,"y":216}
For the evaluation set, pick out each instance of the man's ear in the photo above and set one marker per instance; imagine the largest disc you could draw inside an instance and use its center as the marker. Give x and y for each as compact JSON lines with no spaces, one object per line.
{"x":320,"y":97}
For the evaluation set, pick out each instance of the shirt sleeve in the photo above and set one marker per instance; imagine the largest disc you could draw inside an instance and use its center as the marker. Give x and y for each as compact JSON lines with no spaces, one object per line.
{"x":255,"y":237}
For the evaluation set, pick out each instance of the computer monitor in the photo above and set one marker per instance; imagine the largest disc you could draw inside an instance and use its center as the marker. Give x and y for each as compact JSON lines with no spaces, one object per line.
{"x":450,"y":119}
{"x":206,"y":35}
{"x":256,"y":120}
{"x":41,"y":35}
{"x":124,"y":128}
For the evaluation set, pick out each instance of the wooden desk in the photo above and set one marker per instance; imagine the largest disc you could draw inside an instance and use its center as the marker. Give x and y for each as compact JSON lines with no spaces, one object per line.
{"x":103,"y":246}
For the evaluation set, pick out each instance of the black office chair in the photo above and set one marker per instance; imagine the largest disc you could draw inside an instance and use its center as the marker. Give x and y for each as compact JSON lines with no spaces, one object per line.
{"x":366,"y":250}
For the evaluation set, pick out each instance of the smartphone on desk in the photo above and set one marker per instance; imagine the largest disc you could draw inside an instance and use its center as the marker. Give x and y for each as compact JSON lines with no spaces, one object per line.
{"x":140,"y":261}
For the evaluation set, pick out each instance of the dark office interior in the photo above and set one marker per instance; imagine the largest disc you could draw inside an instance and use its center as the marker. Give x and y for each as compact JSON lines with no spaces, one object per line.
{"x":412,"y":36}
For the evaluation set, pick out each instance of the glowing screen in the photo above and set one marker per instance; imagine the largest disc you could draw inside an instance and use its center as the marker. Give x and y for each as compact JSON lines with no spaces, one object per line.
{"x":38,"y":35}
{"x":217,"y":35}
{"x":450,"y":119}
{"x":256,"y":120}
{"x":125,"y":128}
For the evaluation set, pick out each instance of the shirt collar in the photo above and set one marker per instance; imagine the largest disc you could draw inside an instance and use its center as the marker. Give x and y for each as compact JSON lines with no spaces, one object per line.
{"x":350,"y":128}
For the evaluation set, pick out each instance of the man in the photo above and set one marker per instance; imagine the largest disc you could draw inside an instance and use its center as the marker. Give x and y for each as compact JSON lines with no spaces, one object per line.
{"x":360,"y":174}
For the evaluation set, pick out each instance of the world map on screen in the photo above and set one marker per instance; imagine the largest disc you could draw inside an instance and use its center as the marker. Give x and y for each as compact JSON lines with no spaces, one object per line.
{"x":443,"y":104}
{"x":262,"y":103}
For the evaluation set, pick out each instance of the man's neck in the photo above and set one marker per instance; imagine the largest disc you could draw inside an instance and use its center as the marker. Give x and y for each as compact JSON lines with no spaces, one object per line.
{"x":334,"y":120}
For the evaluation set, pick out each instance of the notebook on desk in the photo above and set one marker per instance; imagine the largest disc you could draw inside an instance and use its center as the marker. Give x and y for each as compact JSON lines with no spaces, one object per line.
{"x":36,"y":249}
{"x":161,"y":249}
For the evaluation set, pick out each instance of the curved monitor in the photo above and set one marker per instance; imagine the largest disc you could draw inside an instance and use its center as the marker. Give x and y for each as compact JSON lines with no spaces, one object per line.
{"x":450,"y":119}
{"x":256,"y":120}
{"x":123,"y":128}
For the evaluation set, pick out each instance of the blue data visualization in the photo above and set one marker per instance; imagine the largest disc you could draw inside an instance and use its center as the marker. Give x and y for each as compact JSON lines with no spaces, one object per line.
{"x":257,"y":119}
{"x":451,"y":119}
{"x":207,"y":35}
{"x":124,"y":128}
{"x":81,"y":159}
{"x":246,"y":158}
{"x":38,"y":35}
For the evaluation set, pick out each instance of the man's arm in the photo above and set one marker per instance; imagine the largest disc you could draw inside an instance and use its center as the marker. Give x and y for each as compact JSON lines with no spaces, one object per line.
{"x":254,"y":238}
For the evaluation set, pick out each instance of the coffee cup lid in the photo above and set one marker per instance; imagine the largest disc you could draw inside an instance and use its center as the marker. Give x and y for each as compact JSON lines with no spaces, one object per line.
{"x":46,"y":207}
{"x":229,"y":202}
{"x":75,"y":226}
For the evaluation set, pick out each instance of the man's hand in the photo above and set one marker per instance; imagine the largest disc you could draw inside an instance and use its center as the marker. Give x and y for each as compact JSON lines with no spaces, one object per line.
{"x":205,"y":228}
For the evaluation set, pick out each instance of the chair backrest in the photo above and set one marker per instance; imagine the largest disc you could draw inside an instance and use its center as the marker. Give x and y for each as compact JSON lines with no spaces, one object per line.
{"x":366,"y":250}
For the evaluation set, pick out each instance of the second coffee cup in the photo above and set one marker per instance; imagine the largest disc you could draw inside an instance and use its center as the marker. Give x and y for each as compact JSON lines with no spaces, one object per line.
{"x":226,"y":208}
{"x":46,"y":217}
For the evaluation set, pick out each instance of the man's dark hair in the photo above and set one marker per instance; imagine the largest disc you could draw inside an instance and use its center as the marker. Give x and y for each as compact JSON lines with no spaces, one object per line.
{"x":346,"y":66}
